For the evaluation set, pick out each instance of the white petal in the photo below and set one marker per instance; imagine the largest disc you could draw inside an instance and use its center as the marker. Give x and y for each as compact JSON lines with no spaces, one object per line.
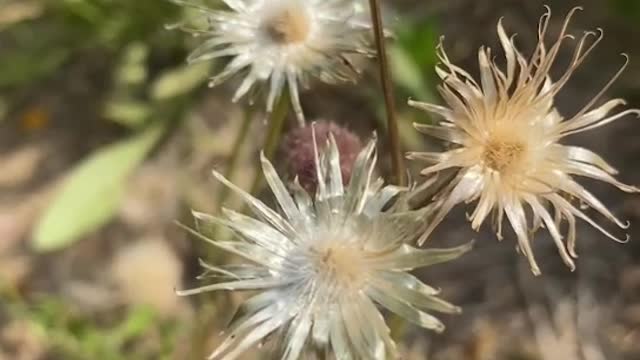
{"x":509,"y":52}
{"x":444,"y":133}
{"x":275,"y":88}
{"x":249,"y":284}
{"x":258,"y":207}
{"x":338,"y":336}
{"x":281,"y":193}
{"x":257,"y":334}
{"x":553,"y":230}
{"x":583,"y":155}
{"x":517,"y":219}
{"x":415,"y":295}
{"x":335,"y":170}
{"x":360,"y":179}
{"x":405,"y":310}
{"x":292,"y":81}
{"x":468,"y":186}
{"x":297,"y":336}
{"x":407,"y":257}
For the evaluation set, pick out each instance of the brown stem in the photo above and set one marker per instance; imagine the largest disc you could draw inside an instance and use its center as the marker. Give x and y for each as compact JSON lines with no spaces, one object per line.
{"x":397,"y":160}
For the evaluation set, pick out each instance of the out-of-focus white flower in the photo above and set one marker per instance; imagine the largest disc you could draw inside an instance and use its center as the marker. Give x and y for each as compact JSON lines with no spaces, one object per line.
{"x":505,"y":135}
{"x":283,"y":42}
{"x":324,"y":265}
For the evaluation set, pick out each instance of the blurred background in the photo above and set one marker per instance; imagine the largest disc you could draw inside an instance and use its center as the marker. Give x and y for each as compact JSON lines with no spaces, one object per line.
{"x":107,"y":138}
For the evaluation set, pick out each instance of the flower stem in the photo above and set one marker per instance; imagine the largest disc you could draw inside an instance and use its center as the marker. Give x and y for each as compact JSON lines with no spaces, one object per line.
{"x":276,"y":124}
{"x":236,"y":151}
{"x":397,"y":160}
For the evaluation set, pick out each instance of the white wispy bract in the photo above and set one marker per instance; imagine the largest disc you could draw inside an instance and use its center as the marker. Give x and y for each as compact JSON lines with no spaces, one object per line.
{"x":283,"y":43}
{"x":504,"y":134}
{"x":323,"y":265}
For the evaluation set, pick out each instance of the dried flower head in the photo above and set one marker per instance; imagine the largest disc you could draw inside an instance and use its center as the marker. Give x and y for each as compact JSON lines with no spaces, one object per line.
{"x":322,"y":266}
{"x":298,"y":151}
{"x":283,"y":42}
{"x":505,"y":134}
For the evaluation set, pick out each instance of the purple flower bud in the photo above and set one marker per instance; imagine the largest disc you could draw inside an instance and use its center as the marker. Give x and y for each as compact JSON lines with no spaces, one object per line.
{"x":297,"y":151}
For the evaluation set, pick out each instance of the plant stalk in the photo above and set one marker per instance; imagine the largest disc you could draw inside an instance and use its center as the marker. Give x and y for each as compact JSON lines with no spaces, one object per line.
{"x":397,"y":160}
{"x":276,"y":125}
{"x":236,"y":151}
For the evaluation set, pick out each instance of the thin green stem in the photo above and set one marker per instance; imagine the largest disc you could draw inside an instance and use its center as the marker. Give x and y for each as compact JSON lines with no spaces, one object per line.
{"x":397,"y":160}
{"x":276,"y":125}
{"x":236,"y":151}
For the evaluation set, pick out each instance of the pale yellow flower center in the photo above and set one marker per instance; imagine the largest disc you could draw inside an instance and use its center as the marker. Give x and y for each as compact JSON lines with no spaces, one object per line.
{"x":501,"y":154}
{"x":290,"y":25}
{"x":340,"y":263}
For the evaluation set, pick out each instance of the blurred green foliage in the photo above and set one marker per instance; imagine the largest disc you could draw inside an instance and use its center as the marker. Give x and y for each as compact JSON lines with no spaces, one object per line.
{"x":144,"y":95}
{"x":413,"y":57}
{"x":137,"y":334}
{"x":93,"y":192}
{"x":36,"y":47}
{"x":629,"y":9}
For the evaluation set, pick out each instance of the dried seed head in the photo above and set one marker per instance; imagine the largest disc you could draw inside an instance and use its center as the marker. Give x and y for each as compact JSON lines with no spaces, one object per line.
{"x":278,"y":44}
{"x":501,"y":155}
{"x":322,"y":266}
{"x":297,"y":151}
{"x":506,"y":134}
{"x":289,"y":25}
{"x":340,"y":262}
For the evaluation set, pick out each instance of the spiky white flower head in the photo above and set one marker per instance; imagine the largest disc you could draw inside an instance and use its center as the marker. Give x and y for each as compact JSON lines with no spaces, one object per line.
{"x":324,"y":266}
{"x":505,"y":135}
{"x":283,"y":42}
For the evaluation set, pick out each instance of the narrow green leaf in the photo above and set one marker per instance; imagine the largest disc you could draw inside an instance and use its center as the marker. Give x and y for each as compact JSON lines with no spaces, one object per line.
{"x":92,"y":193}
{"x":407,"y":73}
{"x":130,"y":113}
{"x":180,"y":81}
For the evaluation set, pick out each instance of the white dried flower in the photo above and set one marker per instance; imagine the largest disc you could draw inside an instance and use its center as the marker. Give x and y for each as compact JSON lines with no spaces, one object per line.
{"x":505,"y":135}
{"x":283,"y":42}
{"x":322,"y":266}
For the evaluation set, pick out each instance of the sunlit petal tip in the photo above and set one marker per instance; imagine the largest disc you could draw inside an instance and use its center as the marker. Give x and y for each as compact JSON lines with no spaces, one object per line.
{"x":263,"y":158}
{"x":218,"y":176}
{"x":183,"y":293}
{"x":466,"y":247}
{"x":535,"y":270}
{"x":374,"y":137}
{"x":413,"y":103}
{"x":411,"y":155}
{"x":200,"y":215}
{"x":440,"y":328}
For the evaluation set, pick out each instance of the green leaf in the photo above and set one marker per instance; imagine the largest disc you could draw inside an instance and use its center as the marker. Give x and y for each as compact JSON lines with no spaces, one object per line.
{"x":92,"y":193}
{"x":132,"y":70}
{"x":130,"y":113}
{"x":139,"y":320}
{"x":179,"y":81}
{"x":19,"y":68}
{"x":408,"y":74}
{"x":4,"y":109}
